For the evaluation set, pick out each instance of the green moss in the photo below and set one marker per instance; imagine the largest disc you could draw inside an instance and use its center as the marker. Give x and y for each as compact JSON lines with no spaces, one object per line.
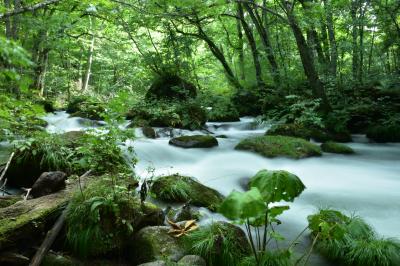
{"x":273,"y":146}
{"x":195,"y":141}
{"x":177,"y":188}
{"x":9,"y":201}
{"x":334,"y":147}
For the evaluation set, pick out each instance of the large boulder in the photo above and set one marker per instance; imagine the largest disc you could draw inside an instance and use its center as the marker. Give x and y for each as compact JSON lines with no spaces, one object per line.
{"x":149,"y":132}
{"x":274,"y":146}
{"x":171,"y":87}
{"x":154,"y":243}
{"x":47,"y":183}
{"x":182,"y":189}
{"x":86,"y":107}
{"x":333,"y":147}
{"x":195,"y":141}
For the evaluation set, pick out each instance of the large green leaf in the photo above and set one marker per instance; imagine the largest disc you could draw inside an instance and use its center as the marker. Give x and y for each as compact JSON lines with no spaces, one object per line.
{"x":277,"y":185}
{"x":243,"y":205}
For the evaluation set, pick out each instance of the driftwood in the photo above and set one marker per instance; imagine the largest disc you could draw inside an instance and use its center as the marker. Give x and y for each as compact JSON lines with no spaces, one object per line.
{"x":53,"y":233}
{"x":24,"y":222}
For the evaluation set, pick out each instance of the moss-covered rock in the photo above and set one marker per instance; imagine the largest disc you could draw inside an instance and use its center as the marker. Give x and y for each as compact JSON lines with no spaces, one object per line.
{"x":182,"y":189}
{"x":384,"y":133}
{"x":6,"y":201}
{"x":290,"y":130}
{"x":195,"y":141}
{"x":273,"y":146}
{"x":154,"y":243}
{"x":171,"y":87}
{"x":100,"y":222}
{"x":334,"y":147}
{"x":192,"y":260}
{"x":86,"y":107}
{"x":220,"y":243}
{"x":149,"y":132}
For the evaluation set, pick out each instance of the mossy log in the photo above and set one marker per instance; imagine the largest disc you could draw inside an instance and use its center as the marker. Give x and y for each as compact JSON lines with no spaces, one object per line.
{"x":25,"y":223}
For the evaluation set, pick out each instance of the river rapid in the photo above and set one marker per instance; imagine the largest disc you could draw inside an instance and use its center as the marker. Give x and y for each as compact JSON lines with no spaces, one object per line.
{"x":366,"y":183}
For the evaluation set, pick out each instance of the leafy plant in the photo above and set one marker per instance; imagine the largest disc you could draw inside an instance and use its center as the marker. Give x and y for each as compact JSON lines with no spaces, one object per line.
{"x":253,"y":207}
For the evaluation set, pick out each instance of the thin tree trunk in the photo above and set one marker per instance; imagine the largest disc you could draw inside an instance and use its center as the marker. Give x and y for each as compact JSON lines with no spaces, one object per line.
{"x":371,"y":49}
{"x":240,"y":47}
{"x":333,"y":53}
{"x":355,"y":59}
{"x":361,"y":49}
{"x":42,"y":77}
{"x":88,"y":71}
{"x":253,"y":47}
{"x":264,"y":36}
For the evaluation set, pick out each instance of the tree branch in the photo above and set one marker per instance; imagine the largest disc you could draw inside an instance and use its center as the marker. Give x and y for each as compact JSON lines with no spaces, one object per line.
{"x":28,"y":8}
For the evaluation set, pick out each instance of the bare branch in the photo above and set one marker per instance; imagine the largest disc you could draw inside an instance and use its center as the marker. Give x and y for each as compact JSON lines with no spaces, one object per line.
{"x":28,"y":8}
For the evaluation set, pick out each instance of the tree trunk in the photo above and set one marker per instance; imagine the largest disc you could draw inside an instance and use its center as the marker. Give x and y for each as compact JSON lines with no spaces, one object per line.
{"x":361,"y":49}
{"x":240,"y":47}
{"x":264,"y":36}
{"x":253,"y":47}
{"x":333,"y":53}
{"x":89,"y":61}
{"x":355,"y":60}
{"x":308,"y":63}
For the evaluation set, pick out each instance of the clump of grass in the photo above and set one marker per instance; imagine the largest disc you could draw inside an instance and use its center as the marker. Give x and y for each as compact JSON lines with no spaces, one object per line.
{"x":351,"y":241}
{"x":273,"y":146}
{"x":221,"y":244}
{"x":269,"y":258}
{"x":334,"y":147}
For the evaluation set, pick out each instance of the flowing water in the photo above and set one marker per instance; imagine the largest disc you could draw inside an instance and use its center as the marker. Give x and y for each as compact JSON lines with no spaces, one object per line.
{"x":366,"y":183}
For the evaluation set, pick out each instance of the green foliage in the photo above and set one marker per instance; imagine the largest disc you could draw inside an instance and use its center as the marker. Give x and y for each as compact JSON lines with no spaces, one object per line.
{"x":270,"y":258}
{"x":351,"y":241}
{"x":219,"y":108}
{"x":273,"y":146}
{"x":218,"y":243}
{"x":19,"y":117}
{"x":277,"y":185}
{"x":384,"y":133}
{"x":243,"y":205}
{"x":101,"y":216}
{"x":334,"y":147}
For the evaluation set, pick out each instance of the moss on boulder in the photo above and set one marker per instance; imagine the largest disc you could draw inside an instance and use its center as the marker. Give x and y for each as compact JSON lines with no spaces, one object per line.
{"x":274,"y":146}
{"x":195,"y":141}
{"x":334,"y":147}
{"x":181,"y":189}
{"x":85,"y":107}
{"x":154,"y":243}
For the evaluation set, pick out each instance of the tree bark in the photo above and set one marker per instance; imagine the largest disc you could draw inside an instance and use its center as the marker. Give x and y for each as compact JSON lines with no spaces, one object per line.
{"x":333,"y":53}
{"x":264,"y":36}
{"x":89,"y":61}
{"x":355,"y":59}
{"x":307,"y":61}
{"x":253,"y":47}
{"x":240,"y":47}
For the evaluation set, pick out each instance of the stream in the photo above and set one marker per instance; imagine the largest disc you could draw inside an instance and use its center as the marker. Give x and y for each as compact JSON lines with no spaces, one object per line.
{"x":366,"y":183}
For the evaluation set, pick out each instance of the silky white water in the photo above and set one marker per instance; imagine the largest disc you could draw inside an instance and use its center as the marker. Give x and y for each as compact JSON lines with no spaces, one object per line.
{"x":366,"y":183}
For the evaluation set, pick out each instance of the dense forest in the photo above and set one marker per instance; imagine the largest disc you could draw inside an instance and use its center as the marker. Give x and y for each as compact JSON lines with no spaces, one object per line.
{"x":208,"y":132}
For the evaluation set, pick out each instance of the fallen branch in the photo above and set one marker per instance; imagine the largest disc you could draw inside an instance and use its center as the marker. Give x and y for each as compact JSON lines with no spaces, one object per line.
{"x":53,"y":233}
{"x":49,"y":240}
{"x":7,"y":165}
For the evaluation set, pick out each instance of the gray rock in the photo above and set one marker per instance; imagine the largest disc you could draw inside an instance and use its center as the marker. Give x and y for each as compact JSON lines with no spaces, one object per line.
{"x":192,"y":260}
{"x":153,"y":243}
{"x":48,"y":183}
{"x":154,"y":263}
{"x":195,"y":141}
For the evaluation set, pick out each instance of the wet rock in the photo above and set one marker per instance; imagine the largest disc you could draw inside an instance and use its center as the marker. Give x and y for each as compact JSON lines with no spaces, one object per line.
{"x":183,"y":189}
{"x":154,"y":263}
{"x":192,"y":260}
{"x":274,"y":146}
{"x":333,"y":147}
{"x":154,"y":243}
{"x":48,"y":183}
{"x":149,"y":132}
{"x":195,"y":141}
{"x":186,"y":213}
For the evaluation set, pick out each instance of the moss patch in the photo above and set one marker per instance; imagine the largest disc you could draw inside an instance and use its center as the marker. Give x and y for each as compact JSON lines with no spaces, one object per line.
{"x":177,"y":188}
{"x":290,"y":130}
{"x":334,"y":147}
{"x":274,"y":146}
